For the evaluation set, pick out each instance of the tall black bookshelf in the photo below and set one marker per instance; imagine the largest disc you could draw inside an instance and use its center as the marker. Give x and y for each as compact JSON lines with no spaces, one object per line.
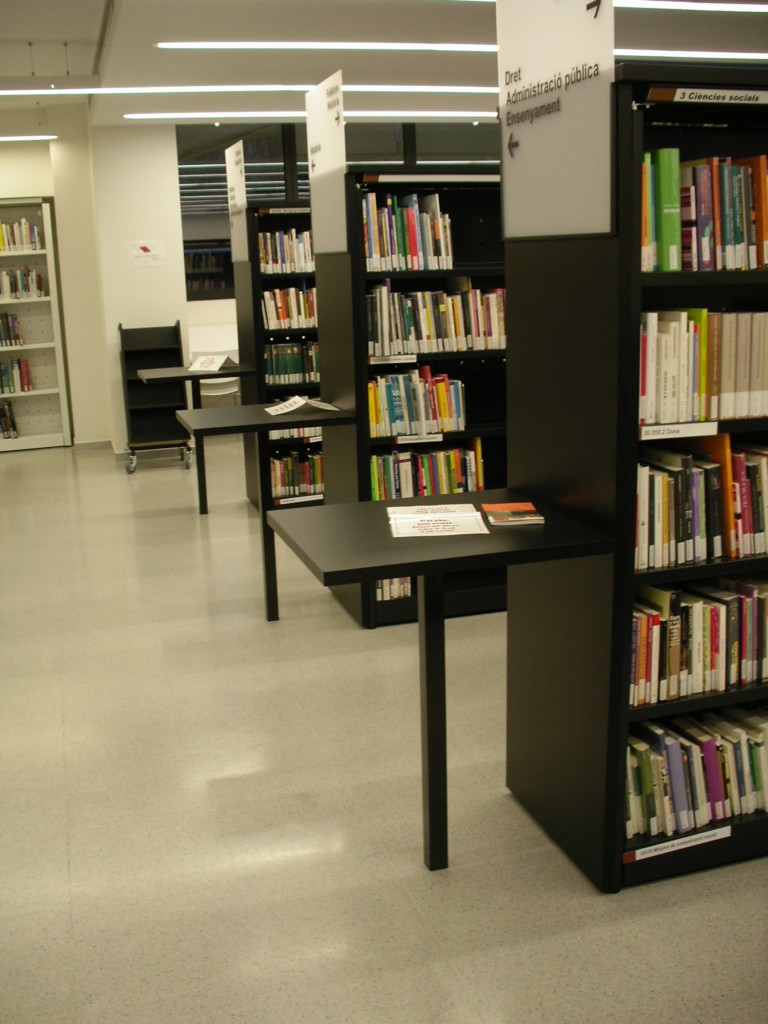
{"x":574,"y":318}
{"x":346,"y":284}
{"x":277,"y":332}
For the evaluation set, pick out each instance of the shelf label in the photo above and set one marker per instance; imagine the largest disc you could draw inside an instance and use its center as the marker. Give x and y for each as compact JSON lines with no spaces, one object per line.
{"x":327,"y":152}
{"x":417,"y":438}
{"x":405,"y":358}
{"x":555,"y":69}
{"x":739,"y":97}
{"x":655,"y":431}
{"x":680,"y":843}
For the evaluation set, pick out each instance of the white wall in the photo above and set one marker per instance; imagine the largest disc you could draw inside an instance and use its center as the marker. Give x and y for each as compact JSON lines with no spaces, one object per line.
{"x":135,"y":172}
{"x":80,"y":275}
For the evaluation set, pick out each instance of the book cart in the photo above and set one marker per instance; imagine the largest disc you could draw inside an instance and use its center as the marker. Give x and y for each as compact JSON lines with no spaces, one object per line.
{"x":32,"y":363}
{"x":368,"y":298}
{"x":277,"y":333}
{"x":575,"y":443}
{"x":150,"y":412}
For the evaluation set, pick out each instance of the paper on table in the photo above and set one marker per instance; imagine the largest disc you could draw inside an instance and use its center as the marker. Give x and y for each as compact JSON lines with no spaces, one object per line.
{"x":211,"y":363}
{"x":296,"y":402}
{"x":434,"y":520}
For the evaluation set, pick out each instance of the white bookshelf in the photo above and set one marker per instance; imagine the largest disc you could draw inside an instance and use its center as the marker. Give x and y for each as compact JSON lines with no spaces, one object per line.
{"x":41,"y":414}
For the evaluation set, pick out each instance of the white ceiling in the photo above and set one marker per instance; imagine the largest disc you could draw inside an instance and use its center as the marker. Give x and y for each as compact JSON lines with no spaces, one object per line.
{"x":116,"y":39}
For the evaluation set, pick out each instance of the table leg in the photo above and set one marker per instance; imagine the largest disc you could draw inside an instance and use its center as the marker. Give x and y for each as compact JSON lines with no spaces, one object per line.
{"x":202,"y":494}
{"x":269,"y":560}
{"x":196,"y":393}
{"x":434,"y":779}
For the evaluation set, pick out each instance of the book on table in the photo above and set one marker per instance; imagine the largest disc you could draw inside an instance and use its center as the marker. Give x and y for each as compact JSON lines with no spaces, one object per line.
{"x":513,"y":513}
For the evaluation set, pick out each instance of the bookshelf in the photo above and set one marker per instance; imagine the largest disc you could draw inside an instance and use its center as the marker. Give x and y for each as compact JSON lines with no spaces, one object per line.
{"x":574,"y":442}
{"x":208,"y":270}
{"x":384,"y":320}
{"x":31,"y":336}
{"x":150,"y":410}
{"x":277,"y":333}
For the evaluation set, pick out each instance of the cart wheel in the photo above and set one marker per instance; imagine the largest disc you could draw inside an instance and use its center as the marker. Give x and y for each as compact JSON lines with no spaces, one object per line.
{"x":187,"y":457}
{"x":131,"y":466}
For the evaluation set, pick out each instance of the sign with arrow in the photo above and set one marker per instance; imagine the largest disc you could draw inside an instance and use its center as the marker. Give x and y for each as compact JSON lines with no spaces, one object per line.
{"x":555,"y":69}
{"x":327,"y":153}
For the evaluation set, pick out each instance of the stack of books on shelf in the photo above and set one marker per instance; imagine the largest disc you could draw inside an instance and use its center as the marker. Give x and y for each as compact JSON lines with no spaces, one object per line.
{"x":466,"y":320}
{"x":406,"y":233}
{"x":296,"y":476}
{"x":415,"y":404}
{"x":700,"y":365}
{"x":8,"y":420}
{"x":289,"y":308}
{"x":702,"y":500}
{"x":696,"y":772}
{"x":408,"y":474}
{"x":15,"y":376}
{"x":286,"y":252}
{"x":11,"y":333}
{"x":698,"y":639}
{"x":705,"y":214}
{"x":292,"y":362}
{"x":307,"y":435}
{"x":20,"y":236}
{"x":21,"y":284}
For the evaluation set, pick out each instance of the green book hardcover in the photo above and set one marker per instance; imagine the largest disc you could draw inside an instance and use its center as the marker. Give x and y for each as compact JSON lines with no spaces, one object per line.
{"x":666,"y":163}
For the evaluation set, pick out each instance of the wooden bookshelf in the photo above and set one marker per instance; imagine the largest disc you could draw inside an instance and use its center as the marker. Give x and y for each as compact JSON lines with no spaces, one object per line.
{"x":352,"y":357}
{"x":574,"y":314}
{"x":277,"y":333}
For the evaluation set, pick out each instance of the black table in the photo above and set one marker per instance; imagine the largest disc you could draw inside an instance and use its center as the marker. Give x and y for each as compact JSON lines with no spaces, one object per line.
{"x":353,"y":543}
{"x":255,"y":420}
{"x":168,"y":374}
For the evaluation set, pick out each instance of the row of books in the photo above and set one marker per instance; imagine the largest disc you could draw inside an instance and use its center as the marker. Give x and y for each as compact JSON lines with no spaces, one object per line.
{"x":698,"y":365}
{"x":20,"y":236}
{"x":292,"y":362}
{"x":11,"y":332}
{"x":408,"y":474}
{"x":694,"y":771}
{"x":705,"y":499}
{"x":15,"y":376}
{"x":203,"y":262}
{"x":704,"y":214}
{"x":289,"y":308}
{"x":307,"y":435}
{"x":21,"y":284}
{"x":406,"y":233}
{"x":401,"y":323}
{"x":8,"y":420}
{"x":296,"y":474}
{"x":415,"y":404}
{"x":701,"y":638}
{"x":286,"y":252}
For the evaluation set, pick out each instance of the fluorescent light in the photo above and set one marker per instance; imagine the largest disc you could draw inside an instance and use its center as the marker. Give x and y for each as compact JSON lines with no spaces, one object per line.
{"x":473,"y":90}
{"x":28,"y":138}
{"x":691,"y":55}
{"x":219,"y":115}
{"x":409,"y":115}
{"x":305,"y":44}
{"x":700,"y":8}
{"x":282,"y":115}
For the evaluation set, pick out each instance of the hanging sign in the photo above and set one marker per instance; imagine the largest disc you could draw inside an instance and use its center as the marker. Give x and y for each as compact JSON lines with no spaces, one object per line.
{"x":327,"y":154}
{"x":555,"y":70}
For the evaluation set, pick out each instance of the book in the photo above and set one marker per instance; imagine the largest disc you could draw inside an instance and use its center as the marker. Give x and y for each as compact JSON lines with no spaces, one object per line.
{"x":666,"y":164}
{"x":514,"y":513}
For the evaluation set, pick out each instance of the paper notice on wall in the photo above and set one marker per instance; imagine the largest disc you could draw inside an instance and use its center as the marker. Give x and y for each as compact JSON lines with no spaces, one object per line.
{"x":145,"y":254}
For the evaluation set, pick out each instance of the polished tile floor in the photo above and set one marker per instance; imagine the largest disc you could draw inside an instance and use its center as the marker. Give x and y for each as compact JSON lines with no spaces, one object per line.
{"x":210,"y":819}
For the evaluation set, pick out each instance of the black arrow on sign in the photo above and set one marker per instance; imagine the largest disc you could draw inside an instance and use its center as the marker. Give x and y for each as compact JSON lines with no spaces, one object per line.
{"x":596,"y":5}
{"x":312,"y":165}
{"x":512,"y":145}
